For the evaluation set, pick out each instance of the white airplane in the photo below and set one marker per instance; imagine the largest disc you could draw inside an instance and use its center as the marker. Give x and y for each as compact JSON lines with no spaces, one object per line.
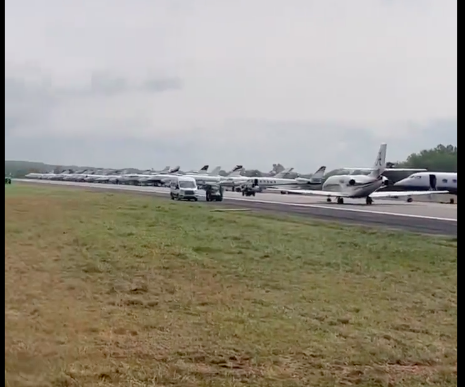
{"x":159,"y":178}
{"x":34,"y":175}
{"x":362,"y":186}
{"x":424,"y":181}
{"x":253,"y":185}
{"x":234,"y":178}
{"x":213,"y":178}
{"x":236,"y":181}
{"x":150,"y":177}
{"x":118,"y":176}
{"x":56,"y":176}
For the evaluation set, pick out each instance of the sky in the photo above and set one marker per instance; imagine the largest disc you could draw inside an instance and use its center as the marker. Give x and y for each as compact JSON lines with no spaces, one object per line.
{"x":149,"y":83}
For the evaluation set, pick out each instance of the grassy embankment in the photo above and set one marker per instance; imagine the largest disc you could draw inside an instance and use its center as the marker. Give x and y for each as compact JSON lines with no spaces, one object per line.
{"x":113,"y":289}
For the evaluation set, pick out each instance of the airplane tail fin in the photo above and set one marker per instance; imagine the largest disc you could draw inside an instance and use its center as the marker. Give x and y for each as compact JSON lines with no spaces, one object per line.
{"x":166,"y":169}
{"x":380,"y":162}
{"x":283,"y":173}
{"x":204,"y":169}
{"x":175,"y":169}
{"x":215,"y":172}
{"x":317,"y":177}
{"x":236,"y":171}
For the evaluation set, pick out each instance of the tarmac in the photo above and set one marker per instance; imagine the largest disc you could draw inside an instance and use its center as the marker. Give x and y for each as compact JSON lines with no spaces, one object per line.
{"x":419,"y":217}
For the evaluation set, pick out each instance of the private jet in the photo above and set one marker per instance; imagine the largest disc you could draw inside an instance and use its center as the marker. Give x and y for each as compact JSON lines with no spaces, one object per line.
{"x":237,"y":182}
{"x":147,"y":178}
{"x":34,"y":175}
{"x":159,"y":178}
{"x":254,"y":185}
{"x":425,"y":181}
{"x":362,"y":186}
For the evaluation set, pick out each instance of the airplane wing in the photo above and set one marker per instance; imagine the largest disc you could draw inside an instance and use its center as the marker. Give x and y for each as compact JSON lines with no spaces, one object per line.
{"x":397,"y":194}
{"x":328,"y":194}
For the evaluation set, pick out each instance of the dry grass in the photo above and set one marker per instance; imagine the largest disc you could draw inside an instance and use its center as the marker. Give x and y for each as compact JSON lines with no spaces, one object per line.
{"x":109,"y":289}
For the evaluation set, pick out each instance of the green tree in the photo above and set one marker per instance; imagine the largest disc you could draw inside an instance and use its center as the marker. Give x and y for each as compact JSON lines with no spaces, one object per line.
{"x":443,"y":158}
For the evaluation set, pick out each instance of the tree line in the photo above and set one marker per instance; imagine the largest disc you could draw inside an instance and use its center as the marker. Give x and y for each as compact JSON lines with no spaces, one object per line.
{"x":443,"y":158}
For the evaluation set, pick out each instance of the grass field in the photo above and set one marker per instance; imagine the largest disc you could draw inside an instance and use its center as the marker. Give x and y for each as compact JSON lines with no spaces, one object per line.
{"x":120,"y":290}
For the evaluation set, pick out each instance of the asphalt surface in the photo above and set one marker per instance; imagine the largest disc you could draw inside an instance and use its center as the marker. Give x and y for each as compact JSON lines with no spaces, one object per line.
{"x":419,"y":217}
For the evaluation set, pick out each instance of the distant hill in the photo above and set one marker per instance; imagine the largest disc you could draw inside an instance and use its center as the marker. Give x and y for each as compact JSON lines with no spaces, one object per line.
{"x":17,"y":168}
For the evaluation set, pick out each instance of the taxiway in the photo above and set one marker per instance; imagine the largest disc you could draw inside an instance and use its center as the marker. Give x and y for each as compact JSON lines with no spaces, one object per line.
{"x":420,"y":217}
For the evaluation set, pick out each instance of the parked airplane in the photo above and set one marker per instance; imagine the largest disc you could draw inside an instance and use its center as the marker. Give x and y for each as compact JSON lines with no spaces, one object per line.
{"x":34,"y":175}
{"x":424,"y":181}
{"x":158,"y":178}
{"x":57,"y":176}
{"x":253,"y":185}
{"x":136,"y":178}
{"x":214,"y":178}
{"x":362,"y":186}
{"x":236,"y":181}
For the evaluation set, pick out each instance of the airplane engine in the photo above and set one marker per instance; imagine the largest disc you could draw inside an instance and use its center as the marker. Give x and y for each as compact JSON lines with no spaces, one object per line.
{"x":386,"y":182}
{"x":352,"y":182}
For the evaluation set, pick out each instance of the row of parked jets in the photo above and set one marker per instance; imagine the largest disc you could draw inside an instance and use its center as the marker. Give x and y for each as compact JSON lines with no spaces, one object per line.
{"x":338,"y":187}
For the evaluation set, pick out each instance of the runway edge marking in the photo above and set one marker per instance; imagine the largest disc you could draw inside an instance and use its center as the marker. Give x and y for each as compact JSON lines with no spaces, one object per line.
{"x":249,"y":200}
{"x":346,"y":209}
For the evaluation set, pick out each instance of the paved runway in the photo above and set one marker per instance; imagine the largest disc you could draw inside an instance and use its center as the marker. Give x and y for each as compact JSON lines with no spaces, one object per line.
{"x":430,"y":218}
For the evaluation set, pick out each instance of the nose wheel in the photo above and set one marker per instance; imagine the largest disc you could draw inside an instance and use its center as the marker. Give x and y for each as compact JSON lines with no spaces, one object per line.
{"x":369,"y":200}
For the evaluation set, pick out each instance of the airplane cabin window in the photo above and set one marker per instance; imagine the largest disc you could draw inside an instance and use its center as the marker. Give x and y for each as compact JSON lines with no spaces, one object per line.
{"x":454,"y":181}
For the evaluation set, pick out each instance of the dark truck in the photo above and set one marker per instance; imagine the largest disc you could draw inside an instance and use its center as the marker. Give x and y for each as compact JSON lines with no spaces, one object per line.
{"x":214,"y":193}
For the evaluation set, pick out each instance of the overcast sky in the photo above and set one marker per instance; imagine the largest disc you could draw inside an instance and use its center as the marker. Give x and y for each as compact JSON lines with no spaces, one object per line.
{"x":149,"y":83}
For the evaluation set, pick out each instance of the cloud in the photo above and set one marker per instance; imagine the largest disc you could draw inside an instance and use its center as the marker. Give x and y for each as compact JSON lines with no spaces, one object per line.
{"x":303,"y":83}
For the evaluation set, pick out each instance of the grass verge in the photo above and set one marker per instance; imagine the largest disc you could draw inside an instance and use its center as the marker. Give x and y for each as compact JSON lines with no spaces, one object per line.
{"x":112,"y":289}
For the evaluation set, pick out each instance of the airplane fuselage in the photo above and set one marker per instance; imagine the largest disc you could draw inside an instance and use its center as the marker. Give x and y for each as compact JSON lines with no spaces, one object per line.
{"x":422,"y":182}
{"x":268,"y":182}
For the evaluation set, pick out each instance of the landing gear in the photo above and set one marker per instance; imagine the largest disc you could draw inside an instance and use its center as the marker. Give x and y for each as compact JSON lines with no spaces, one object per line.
{"x":328,"y":200}
{"x":369,"y":200}
{"x":340,"y":201}
{"x":409,"y":200}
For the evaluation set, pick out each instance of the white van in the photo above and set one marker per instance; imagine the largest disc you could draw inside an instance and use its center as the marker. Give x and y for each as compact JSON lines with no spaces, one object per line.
{"x":183,"y":188}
